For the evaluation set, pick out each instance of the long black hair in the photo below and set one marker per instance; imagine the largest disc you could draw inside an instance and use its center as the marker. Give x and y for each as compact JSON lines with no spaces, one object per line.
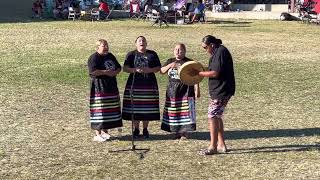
{"x":211,"y":40}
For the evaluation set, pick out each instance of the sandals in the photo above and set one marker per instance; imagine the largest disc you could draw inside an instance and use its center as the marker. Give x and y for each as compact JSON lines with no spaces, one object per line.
{"x":206,"y":152}
{"x":222,"y":150}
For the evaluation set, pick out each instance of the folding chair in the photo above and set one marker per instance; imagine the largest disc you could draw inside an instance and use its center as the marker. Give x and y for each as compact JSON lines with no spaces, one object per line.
{"x":95,"y":14}
{"x":73,"y":14}
{"x":134,"y":9}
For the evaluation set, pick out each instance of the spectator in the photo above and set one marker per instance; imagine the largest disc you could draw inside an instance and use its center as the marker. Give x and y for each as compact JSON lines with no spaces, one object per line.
{"x":57,"y":10}
{"x":197,"y":13}
{"x":75,"y":4}
{"x":61,"y":9}
{"x":37,"y":9}
{"x":103,"y":9}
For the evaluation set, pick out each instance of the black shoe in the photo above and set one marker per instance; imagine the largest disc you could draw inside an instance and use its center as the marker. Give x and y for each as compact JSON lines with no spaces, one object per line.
{"x":145,"y":133}
{"x":136,"y":133}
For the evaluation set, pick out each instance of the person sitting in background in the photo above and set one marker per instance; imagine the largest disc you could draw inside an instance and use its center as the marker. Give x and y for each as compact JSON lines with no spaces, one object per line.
{"x":226,"y":5}
{"x":147,"y":6}
{"x":103,"y":9}
{"x":61,"y":9}
{"x":75,"y":4}
{"x":65,"y":8}
{"x":57,"y":11}
{"x":37,"y":9}
{"x":197,"y":13}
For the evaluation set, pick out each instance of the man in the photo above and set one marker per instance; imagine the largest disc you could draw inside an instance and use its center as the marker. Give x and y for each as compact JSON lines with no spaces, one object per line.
{"x":221,"y":88}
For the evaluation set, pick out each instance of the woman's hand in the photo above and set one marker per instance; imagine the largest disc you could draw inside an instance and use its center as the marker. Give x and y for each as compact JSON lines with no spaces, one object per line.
{"x":146,"y":70}
{"x":171,"y":65}
{"x":138,"y":70}
{"x":165,"y":69}
{"x":110,"y":73}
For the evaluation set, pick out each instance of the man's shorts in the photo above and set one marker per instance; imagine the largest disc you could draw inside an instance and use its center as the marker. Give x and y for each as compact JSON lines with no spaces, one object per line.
{"x":216,"y":107}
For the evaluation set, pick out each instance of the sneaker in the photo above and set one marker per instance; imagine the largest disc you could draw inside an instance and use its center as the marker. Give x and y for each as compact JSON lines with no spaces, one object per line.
{"x":136,"y":133}
{"x":99,"y":139}
{"x":105,"y":136}
{"x":145,"y":133}
{"x":184,"y":136}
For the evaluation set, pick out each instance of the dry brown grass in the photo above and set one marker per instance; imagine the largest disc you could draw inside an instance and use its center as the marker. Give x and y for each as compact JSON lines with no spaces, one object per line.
{"x":272,"y":124}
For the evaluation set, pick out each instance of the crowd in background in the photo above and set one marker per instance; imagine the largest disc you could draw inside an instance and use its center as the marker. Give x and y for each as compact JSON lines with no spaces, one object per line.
{"x":59,"y":9}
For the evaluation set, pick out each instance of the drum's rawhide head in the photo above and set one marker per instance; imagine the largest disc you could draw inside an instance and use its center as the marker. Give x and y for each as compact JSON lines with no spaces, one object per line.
{"x":185,"y":70}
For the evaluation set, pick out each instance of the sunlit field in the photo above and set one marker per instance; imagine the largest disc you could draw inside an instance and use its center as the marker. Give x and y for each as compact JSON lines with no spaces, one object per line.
{"x":272,"y":123}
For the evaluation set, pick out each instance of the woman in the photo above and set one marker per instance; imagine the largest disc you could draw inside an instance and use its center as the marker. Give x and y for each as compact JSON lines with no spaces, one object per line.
{"x":141,"y":95}
{"x":221,"y":88}
{"x":105,"y":112}
{"x":179,"y":109}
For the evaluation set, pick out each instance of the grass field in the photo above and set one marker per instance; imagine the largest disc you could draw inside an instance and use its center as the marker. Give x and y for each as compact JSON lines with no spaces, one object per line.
{"x":272,"y":123}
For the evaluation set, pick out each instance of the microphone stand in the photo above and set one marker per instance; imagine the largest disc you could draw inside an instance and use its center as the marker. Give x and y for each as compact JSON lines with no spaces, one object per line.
{"x":133,"y":146}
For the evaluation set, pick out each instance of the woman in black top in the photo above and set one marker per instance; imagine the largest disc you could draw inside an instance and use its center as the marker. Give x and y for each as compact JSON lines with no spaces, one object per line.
{"x":179,"y":113}
{"x":141,"y":95}
{"x":221,"y":88}
{"x":105,"y":112}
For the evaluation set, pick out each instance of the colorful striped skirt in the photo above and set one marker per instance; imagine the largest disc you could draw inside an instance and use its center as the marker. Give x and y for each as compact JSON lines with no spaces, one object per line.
{"x":105,"y":111}
{"x":142,"y":105}
{"x":179,"y":115}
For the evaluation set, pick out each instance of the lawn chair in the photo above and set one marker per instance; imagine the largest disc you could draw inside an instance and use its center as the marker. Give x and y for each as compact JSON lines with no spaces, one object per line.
{"x":95,"y":14}
{"x":135,"y":9}
{"x":73,"y":14}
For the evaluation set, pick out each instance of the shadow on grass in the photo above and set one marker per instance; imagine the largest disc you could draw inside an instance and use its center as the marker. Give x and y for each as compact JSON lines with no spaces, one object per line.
{"x":253,"y":134}
{"x":228,"y":22}
{"x":141,"y":153}
{"x":240,"y":134}
{"x":268,"y":149}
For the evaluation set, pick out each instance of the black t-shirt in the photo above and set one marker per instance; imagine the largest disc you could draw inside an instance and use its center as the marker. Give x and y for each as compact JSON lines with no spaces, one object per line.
{"x":149,"y":59}
{"x":223,"y":85}
{"x":173,"y":72}
{"x":102,"y":62}
{"x":176,"y":88}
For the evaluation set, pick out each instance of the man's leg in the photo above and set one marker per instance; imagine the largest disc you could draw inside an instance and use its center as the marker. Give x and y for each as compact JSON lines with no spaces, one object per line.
{"x":221,"y":146}
{"x":214,"y":128}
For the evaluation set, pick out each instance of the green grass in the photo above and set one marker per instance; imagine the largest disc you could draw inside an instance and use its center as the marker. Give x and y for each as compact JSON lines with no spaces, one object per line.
{"x":272,"y":123}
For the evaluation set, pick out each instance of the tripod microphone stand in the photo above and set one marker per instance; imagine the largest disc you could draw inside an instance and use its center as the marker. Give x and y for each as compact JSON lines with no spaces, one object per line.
{"x":133,"y":146}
